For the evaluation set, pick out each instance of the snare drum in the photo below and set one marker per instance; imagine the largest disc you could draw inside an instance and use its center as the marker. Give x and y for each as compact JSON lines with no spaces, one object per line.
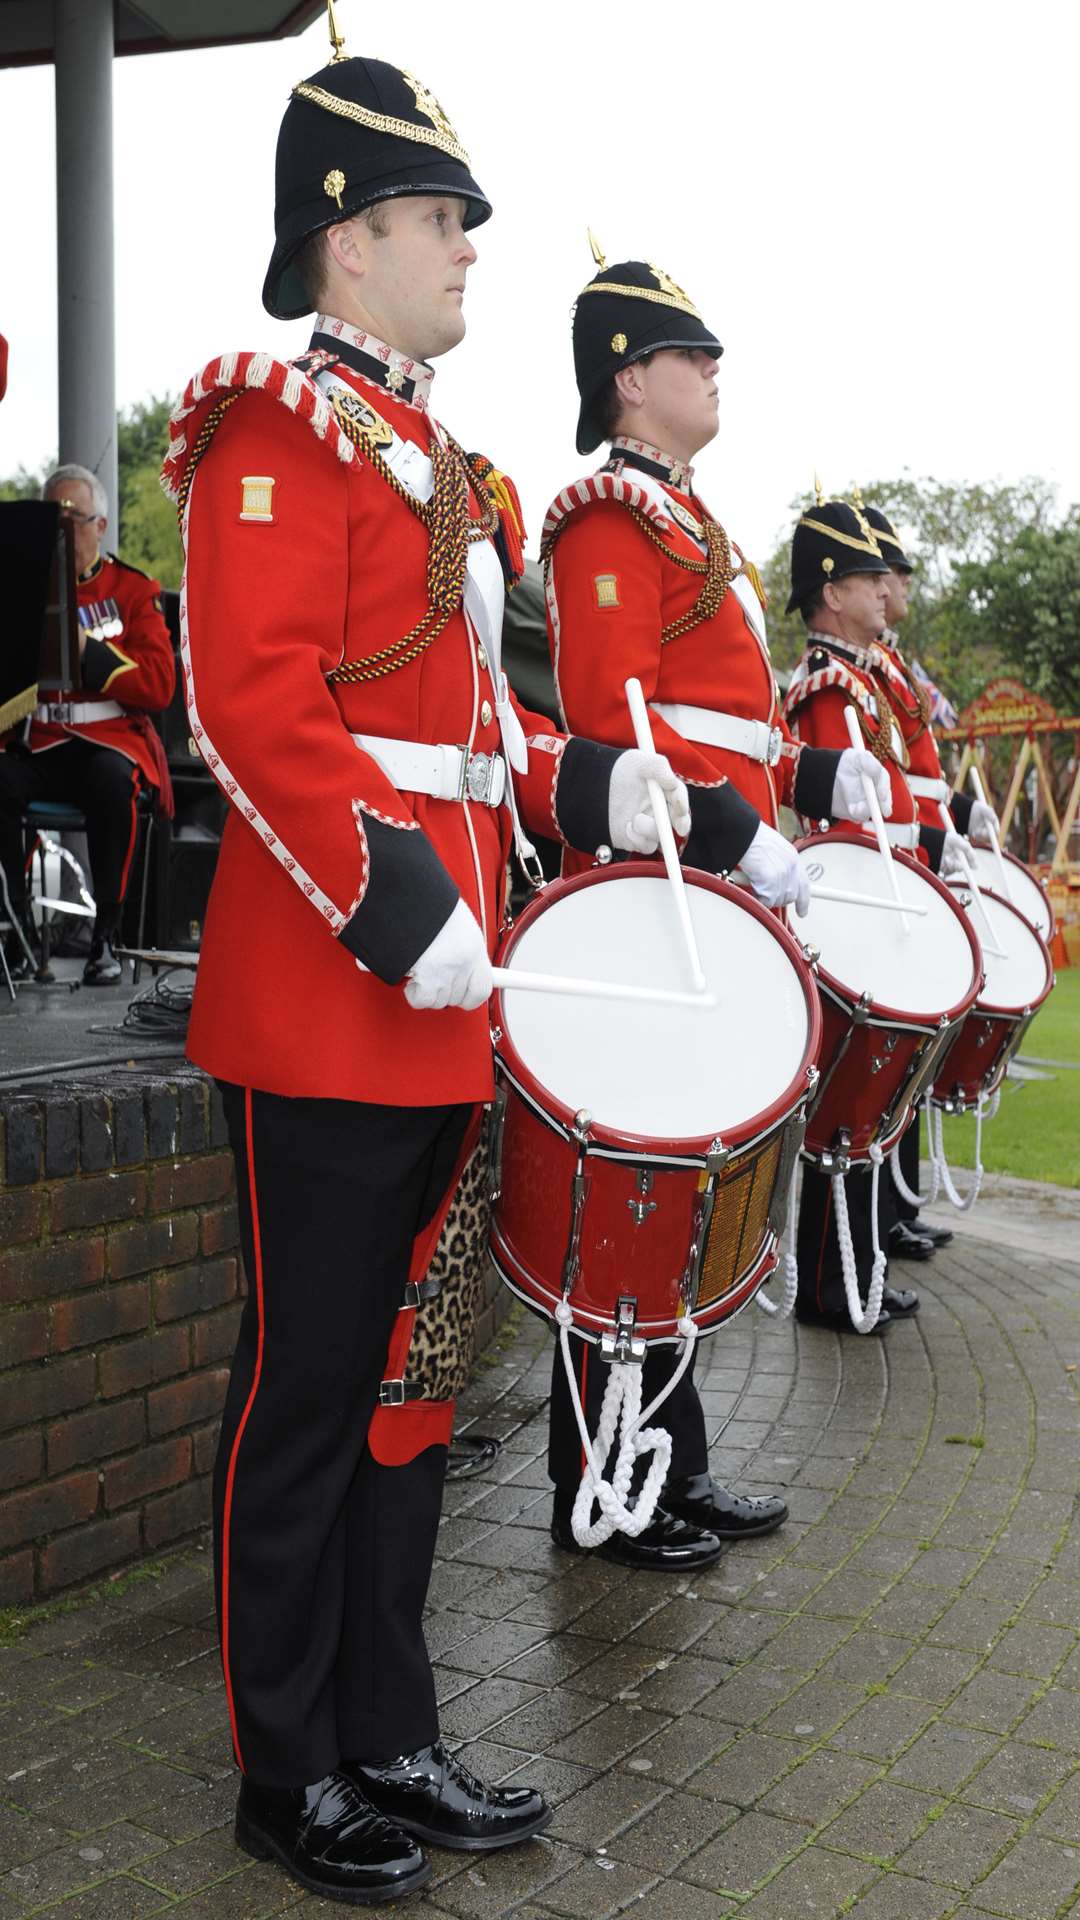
{"x":1017,"y":981}
{"x":642,"y":1155}
{"x":1024,"y":891}
{"x":891,"y":1001}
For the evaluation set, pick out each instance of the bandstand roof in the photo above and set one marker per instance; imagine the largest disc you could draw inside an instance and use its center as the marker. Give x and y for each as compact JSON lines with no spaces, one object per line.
{"x":157,"y":26}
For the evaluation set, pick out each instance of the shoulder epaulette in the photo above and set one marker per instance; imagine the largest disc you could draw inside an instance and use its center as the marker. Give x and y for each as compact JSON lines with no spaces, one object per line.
{"x":617,"y":488}
{"x":808,"y":680}
{"x":225,"y":379}
{"x":127,"y":566}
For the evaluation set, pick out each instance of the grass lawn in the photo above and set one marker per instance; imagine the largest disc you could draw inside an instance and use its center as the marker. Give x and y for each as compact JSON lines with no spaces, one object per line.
{"x":1036,"y":1134}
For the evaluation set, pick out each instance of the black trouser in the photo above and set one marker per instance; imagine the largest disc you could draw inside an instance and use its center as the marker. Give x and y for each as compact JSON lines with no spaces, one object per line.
{"x":103,"y":784}
{"x":681,"y":1414}
{"x":821,"y":1275}
{"x":322,"y":1555}
{"x":894,"y":1206}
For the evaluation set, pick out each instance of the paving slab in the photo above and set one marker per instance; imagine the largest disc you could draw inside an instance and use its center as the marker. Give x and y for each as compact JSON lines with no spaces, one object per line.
{"x":875,"y":1711}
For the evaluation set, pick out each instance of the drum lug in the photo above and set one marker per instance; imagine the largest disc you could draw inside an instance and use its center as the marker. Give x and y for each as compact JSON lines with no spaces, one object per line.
{"x":642,"y":1207}
{"x":623,"y":1345}
{"x":495,"y":1145}
{"x":717,"y":1157}
{"x":579,"y":1188}
{"x":861,"y":1011}
{"x":838,"y":1159}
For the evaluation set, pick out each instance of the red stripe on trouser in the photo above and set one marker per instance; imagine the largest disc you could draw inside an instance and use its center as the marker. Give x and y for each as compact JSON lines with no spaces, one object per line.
{"x":126,"y":868}
{"x":257,"y":1282}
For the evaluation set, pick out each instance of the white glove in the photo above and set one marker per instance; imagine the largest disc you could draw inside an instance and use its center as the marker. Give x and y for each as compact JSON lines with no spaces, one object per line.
{"x":775,"y":872}
{"x":848,"y":798}
{"x":454,"y":971}
{"x":954,"y":857}
{"x":630,"y":816}
{"x":983,"y":824}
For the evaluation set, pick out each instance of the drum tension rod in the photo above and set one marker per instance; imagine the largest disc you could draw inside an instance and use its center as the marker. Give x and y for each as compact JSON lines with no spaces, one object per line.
{"x":642,"y":1207}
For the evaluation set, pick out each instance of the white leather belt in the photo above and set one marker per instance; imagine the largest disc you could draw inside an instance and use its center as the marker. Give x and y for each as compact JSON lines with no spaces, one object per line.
{"x":904,"y":835}
{"x":751,"y":738}
{"x":926,"y":789}
{"x":446,"y":773}
{"x":78,"y":713}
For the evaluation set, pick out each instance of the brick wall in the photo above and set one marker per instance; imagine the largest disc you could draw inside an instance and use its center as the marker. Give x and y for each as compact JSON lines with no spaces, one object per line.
{"x":119,"y":1298}
{"x":120,"y":1291}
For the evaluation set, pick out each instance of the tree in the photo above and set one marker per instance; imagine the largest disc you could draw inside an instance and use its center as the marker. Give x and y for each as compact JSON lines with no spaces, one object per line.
{"x":143,"y":523}
{"x":1025,"y":601}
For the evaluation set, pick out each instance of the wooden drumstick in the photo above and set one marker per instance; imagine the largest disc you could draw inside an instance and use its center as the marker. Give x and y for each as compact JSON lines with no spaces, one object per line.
{"x":520,"y":978}
{"x":980,"y":794}
{"x":635,"y":699}
{"x":855,"y":736}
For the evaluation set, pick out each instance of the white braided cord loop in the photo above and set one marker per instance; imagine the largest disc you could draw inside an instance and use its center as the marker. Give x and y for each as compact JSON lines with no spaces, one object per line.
{"x":986,"y":1109}
{"x":783,"y":1307}
{"x":621,"y":1411}
{"x":863,"y":1319}
{"x":907,"y":1193}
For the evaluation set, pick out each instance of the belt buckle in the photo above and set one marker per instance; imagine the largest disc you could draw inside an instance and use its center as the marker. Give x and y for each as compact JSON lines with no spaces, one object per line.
{"x":60,"y":714}
{"x":392,"y":1393}
{"x":775,"y":747}
{"x":479,"y":777}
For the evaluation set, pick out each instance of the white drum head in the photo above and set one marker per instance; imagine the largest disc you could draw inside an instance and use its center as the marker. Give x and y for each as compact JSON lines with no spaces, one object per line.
{"x":926,"y":971}
{"x":1024,"y":891}
{"x":1017,"y":977}
{"x":662,"y":1073}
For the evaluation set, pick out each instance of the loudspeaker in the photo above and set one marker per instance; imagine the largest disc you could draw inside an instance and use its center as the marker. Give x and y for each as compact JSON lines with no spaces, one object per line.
{"x":191,"y":865}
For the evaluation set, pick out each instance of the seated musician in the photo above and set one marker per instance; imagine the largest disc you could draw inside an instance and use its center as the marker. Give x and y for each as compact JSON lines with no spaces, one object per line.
{"x":643,"y":581}
{"x":94,"y":747}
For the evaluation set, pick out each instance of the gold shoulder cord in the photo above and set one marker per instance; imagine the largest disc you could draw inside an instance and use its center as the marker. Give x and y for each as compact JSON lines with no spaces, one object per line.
{"x":206,"y":433}
{"x":880,"y":741}
{"x":716,"y":568}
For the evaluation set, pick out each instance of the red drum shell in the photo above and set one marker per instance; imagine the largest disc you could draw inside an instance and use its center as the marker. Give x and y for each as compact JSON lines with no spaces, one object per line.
{"x":873,"y":1071}
{"x":975,"y":1064}
{"x":538,"y":1158}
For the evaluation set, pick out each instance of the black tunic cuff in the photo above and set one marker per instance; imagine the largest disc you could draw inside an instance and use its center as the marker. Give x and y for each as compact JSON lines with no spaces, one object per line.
{"x":933,"y":839}
{"x":99,"y":663}
{"x":581,"y":793}
{"x":815,"y":778}
{"x":409,"y":897}
{"x":722,"y":827}
{"x":960,"y":805}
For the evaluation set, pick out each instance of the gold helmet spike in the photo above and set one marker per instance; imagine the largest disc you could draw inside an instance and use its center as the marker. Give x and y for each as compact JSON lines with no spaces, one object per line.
{"x":337,"y":39}
{"x":819,"y":495}
{"x":597,"y":250}
{"x":857,"y":499}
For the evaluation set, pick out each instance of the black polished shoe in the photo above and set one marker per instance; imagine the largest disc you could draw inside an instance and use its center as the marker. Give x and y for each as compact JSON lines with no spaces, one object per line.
{"x":331,"y":1839}
{"x":667,"y":1544}
{"x":102,"y":969}
{"x":899,"y":1301}
{"x":731,"y":1516}
{"x":431,"y":1794}
{"x":839,"y":1322}
{"x":906,"y":1244}
{"x":937,"y":1236}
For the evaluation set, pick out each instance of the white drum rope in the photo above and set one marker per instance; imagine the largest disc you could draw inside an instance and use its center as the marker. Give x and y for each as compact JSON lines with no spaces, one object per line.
{"x":863,"y":1319}
{"x":621,"y":1411}
{"x":782,"y":1308}
{"x":908,"y":1193}
{"x":985,"y":1110}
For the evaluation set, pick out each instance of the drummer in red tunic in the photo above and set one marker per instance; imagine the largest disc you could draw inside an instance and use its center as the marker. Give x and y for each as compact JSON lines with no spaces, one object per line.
{"x":340,"y":633}
{"x":94,"y":747}
{"x":641,"y":580}
{"x":907,"y":1236}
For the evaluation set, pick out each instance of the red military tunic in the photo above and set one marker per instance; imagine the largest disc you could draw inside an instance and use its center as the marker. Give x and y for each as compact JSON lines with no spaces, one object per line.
{"x":127,"y":663}
{"x":619,"y":572}
{"x":911,"y":707}
{"x":324,"y":862}
{"x":832,"y":676}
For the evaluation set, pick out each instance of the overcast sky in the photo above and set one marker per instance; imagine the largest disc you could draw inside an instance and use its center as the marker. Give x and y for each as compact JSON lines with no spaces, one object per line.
{"x":874,"y":207}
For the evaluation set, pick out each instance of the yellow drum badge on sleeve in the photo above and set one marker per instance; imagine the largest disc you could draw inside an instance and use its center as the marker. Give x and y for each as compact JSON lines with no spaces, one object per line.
{"x":257,"y":502}
{"x":606,"y":586}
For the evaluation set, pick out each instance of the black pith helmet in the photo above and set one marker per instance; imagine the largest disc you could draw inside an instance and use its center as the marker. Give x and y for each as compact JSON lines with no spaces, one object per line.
{"x":831,"y":539}
{"x":357,"y":132}
{"x":626,"y":312}
{"x":885,"y":534}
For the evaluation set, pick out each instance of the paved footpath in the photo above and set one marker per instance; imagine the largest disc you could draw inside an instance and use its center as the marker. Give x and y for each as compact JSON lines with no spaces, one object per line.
{"x":876,"y":1711}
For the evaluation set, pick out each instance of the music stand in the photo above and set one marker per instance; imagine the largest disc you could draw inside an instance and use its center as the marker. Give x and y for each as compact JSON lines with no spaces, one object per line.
{"x":39,"y":641}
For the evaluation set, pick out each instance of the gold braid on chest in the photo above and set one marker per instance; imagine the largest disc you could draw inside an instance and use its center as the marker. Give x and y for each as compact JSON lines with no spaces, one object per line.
{"x":919,"y":695}
{"x":450,"y":530}
{"x":717,"y":569}
{"x":880,"y":741}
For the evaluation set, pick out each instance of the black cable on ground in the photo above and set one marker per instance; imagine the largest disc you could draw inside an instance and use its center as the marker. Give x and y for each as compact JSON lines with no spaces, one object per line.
{"x":472,"y":1453}
{"x":164,"y":1006}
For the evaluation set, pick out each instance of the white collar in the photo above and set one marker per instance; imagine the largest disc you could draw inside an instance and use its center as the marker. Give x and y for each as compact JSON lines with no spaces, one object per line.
{"x":408,"y":379}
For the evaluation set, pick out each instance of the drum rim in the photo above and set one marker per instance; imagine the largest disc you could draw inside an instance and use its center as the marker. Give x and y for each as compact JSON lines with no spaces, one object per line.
{"x":998,"y":1007}
{"x":667,"y":1146}
{"x":880,"y":1010}
{"x":1040,"y":886}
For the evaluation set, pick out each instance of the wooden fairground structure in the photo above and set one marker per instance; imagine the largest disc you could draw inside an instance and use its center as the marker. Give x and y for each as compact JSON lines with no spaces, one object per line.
{"x":1029,"y":757}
